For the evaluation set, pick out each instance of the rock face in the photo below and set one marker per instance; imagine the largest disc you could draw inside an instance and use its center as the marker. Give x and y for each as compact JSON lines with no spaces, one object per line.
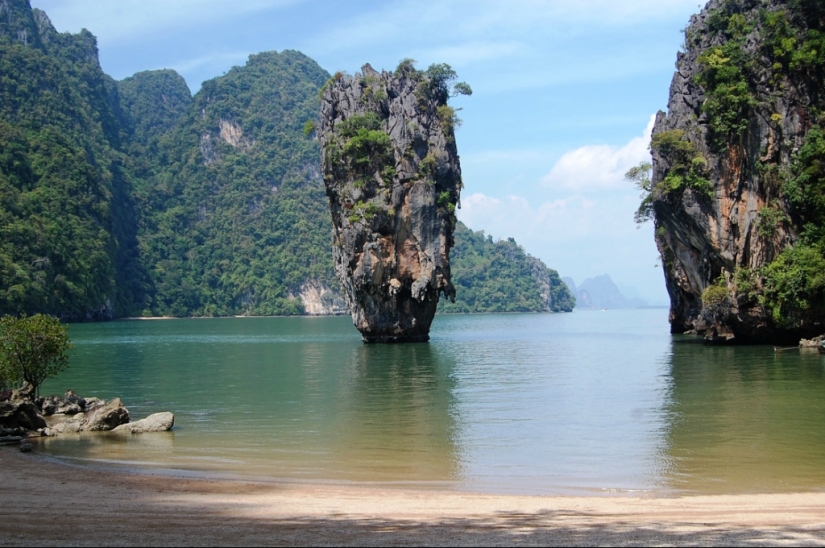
{"x":393,"y":178}
{"x":737,"y":173}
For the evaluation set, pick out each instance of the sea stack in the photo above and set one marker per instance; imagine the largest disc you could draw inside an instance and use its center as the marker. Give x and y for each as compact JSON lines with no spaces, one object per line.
{"x":739,"y":174}
{"x":393,"y":179}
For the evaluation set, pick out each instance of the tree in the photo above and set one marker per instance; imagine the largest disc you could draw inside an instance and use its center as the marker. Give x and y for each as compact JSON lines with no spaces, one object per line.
{"x":441,"y":77}
{"x":640,"y":176}
{"x":32,"y":349}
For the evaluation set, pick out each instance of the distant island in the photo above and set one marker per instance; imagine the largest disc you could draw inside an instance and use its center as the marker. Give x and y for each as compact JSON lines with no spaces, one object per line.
{"x":602,"y":292}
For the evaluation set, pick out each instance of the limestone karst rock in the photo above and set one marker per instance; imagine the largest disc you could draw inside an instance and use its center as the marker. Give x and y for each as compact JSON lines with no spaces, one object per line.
{"x":737,"y":173}
{"x":393,"y":179}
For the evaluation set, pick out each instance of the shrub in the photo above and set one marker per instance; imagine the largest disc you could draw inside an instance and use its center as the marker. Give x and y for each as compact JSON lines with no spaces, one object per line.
{"x":687,"y":167}
{"x":349,"y":127}
{"x":309,"y":127}
{"x":427,"y":165}
{"x":806,"y":191}
{"x":406,"y":68}
{"x":369,"y":148}
{"x":445,"y":200}
{"x":794,"y":284}
{"x":714,"y":295}
{"x":745,"y":280}
{"x":32,"y":349}
{"x":770,"y":218}
{"x":448,"y":118}
{"x":728,"y":98}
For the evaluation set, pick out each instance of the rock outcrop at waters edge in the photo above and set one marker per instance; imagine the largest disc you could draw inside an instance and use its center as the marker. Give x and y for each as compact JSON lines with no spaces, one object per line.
{"x":738,"y":173}
{"x":393,"y":179}
{"x":22,"y":415}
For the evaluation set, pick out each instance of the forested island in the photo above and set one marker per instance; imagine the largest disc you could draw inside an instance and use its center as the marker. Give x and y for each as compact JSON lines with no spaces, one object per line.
{"x":135,"y":198}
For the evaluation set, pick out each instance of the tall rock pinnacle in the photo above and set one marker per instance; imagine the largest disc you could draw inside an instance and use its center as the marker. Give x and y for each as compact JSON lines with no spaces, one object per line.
{"x":738,"y":180}
{"x":393,"y":180}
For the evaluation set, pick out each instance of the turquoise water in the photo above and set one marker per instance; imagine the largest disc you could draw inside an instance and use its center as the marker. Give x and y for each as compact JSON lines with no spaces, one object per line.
{"x":590,"y":402}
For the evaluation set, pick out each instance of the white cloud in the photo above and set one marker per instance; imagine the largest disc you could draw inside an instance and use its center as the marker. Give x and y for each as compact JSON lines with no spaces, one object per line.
{"x":554,"y":220}
{"x":595,"y":167}
{"x":579,"y":219}
{"x":463,"y":21}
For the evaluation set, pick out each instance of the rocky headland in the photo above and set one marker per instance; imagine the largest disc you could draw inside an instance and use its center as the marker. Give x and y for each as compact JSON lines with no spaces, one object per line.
{"x":393,"y":179}
{"x":738,"y":173}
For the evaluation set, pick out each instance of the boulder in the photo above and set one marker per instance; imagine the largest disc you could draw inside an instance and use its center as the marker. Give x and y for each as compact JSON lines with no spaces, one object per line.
{"x":26,"y":448}
{"x":20,"y":414}
{"x":68,"y":426}
{"x":69,"y":404}
{"x":23,"y":394}
{"x":159,"y":422}
{"x":106,"y":416}
{"x":811,"y":343}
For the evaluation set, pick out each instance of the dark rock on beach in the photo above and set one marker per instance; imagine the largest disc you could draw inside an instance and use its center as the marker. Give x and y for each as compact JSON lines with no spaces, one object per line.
{"x":20,"y":415}
{"x":69,"y":404}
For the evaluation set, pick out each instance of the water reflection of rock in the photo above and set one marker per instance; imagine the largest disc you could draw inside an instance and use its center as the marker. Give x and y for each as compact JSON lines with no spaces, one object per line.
{"x":109,"y":446}
{"x":398,"y":422}
{"x":743,"y":419}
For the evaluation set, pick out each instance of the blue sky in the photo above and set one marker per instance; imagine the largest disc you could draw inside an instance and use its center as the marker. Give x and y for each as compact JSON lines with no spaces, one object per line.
{"x":564,"y":92}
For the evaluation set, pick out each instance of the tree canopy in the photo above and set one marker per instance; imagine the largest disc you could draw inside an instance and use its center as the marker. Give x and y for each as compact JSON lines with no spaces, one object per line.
{"x":32,"y":349}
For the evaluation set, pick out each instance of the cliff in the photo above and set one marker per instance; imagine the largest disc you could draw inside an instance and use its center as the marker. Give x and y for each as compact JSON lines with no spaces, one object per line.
{"x":235,"y":218}
{"x":65,"y":237}
{"x":393,"y":179}
{"x":737,"y":181}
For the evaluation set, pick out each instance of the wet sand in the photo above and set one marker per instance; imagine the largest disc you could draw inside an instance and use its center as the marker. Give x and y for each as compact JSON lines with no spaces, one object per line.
{"x":44,"y":502}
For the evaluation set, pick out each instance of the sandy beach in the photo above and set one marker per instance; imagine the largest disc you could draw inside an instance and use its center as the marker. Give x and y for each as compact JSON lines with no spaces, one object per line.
{"x":44,"y":502}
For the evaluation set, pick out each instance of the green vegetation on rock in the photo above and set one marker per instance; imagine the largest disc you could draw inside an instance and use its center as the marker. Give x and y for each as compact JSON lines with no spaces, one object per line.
{"x":234,"y":219}
{"x":500,"y":277}
{"x":688,"y":168}
{"x":65,"y":245}
{"x":746,"y":127}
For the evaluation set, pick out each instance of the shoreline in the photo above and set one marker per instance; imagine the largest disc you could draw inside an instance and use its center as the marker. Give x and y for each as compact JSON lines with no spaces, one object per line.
{"x":346,"y":314}
{"x":48,"y":502}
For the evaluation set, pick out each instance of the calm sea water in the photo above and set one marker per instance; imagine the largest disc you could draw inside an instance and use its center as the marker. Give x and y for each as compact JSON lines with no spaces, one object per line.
{"x":588,"y":402}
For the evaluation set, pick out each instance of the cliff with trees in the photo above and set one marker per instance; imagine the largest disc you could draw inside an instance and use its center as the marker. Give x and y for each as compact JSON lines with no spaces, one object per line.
{"x":737,"y":184}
